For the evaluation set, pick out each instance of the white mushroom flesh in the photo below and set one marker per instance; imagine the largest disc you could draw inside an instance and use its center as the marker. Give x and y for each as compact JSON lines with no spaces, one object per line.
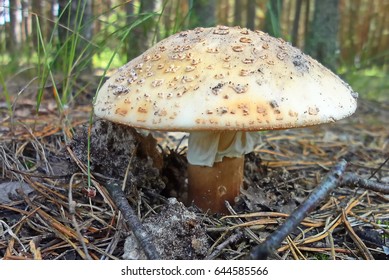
{"x":206,"y":148}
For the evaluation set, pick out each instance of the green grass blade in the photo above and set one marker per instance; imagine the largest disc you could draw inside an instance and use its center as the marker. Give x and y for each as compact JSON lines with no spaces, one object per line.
{"x":6,"y":94}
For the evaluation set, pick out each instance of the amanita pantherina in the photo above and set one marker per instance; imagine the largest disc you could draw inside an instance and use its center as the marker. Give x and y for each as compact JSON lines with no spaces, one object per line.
{"x":222,"y":84}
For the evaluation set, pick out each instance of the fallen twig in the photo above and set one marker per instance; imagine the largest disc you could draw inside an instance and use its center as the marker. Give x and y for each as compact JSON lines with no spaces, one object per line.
{"x":356,"y":181}
{"x":334,"y":178}
{"x":232,"y":239}
{"x":144,"y":239}
{"x":248,"y":231}
{"x":273,"y":241}
{"x":330,"y":227}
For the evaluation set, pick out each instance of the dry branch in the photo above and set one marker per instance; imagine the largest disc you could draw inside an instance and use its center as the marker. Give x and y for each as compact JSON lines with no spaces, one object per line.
{"x":144,"y":239}
{"x":354,"y":180}
{"x":263,"y":250}
{"x":335,"y":178}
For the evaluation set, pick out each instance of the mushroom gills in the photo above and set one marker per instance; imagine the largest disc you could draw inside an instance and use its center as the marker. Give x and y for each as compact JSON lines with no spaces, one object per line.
{"x":207,"y":147}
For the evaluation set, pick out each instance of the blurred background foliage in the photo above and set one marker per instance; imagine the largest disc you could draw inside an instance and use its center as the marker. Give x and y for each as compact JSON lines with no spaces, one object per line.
{"x":56,"y":42}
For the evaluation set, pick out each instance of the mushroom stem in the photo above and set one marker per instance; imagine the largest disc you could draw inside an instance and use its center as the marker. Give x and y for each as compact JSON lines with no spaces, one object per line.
{"x":209,"y":187}
{"x":215,"y":167}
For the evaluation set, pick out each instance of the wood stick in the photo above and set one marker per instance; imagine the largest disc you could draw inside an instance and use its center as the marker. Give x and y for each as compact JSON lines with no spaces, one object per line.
{"x":274,"y":240}
{"x":144,"y":238}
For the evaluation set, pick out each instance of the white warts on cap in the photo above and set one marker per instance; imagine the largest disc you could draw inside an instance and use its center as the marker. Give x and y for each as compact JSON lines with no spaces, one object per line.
{"x":224,"y":78}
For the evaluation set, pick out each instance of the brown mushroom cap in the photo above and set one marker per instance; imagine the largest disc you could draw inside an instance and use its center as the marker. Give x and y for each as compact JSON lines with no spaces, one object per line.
{"x":224,"y":78}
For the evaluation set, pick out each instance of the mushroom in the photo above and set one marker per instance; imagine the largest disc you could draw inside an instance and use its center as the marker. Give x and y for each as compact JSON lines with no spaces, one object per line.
{"x":222,"y":85}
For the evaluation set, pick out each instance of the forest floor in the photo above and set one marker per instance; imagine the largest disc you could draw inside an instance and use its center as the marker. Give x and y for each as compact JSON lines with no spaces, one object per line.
{"x":51,"y":209}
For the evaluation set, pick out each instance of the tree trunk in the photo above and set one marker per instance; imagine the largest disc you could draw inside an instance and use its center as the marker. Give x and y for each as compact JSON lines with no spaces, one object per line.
{"x":203,"y":13}
{"x":296,"y":22}
{"x":15,"y":24}
{"x":167,"y":19}
{"x":36,"y":10}
{"x":251,"y":14}
{"x":273,"y":18}
{"x":238,"y":12}
{"x":129,"y":9}
{"x":97,"y":9}
{"x":142,"y":35}
{"x":26,"y":8}
{"x":130,"y":17}
{"x":322,"y":41}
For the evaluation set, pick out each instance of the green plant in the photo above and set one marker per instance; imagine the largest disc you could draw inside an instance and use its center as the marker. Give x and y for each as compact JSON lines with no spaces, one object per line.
{"x":44,"y":67}
{"x":6,"y":94}
{"x":371,"y":83}
{"x":321,"y":256}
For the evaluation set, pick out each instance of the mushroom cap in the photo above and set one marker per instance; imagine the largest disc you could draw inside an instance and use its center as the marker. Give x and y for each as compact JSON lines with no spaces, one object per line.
{"x":224,"y":78}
